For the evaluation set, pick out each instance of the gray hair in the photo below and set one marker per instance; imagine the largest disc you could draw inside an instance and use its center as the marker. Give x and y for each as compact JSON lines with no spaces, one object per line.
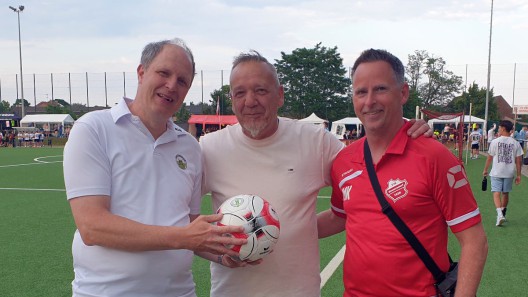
{"x":152,"y":49}
{"x":254,"y":56}
{"x":374,"y":55}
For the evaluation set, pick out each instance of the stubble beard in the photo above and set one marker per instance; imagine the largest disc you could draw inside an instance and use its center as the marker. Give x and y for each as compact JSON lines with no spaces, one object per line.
{"x":254,"y":127}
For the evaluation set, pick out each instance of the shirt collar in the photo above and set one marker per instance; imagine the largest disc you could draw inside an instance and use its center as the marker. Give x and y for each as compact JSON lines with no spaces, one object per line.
{"x":121,"y":110}
{"x":399,"y":142}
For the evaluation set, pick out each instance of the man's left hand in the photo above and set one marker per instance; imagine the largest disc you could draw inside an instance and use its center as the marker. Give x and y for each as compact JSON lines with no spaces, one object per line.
{"x":419,"y":128}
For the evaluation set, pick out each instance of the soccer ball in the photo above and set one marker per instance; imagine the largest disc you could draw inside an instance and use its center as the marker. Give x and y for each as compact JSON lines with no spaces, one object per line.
{"x":260,"y":222}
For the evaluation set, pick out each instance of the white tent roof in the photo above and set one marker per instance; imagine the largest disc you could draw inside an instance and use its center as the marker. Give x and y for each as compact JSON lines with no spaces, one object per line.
{"x":467,"y":119}
{"x":348,"y":121}
{"x":338,"y":127}
{"x":313,"y":118}
{"x":47,"y":118}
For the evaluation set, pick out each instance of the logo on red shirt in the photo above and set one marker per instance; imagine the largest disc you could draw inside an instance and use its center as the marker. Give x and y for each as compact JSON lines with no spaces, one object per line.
{"x":346,"y":192}
{"x":456,"y":177}
{"x":396,"y":189}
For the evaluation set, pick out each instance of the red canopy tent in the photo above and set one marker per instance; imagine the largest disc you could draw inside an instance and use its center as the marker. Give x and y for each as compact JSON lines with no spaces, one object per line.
{"x":210,"y":119}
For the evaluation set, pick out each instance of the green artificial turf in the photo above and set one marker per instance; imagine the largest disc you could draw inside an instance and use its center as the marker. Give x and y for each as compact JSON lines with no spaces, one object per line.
{"x":36,"y":230}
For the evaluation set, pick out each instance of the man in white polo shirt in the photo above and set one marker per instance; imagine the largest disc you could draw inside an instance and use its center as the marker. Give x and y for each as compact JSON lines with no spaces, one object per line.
{"x":133,"y":180}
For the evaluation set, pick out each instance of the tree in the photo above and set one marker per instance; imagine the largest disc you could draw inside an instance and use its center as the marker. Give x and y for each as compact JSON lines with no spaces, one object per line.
{"x":56,"y":109}
{"x":4,"y":106}
{"x":409,"y":108}
{"x":183,"y":114}
{"x":434,"y":85}
{"x":17,"y":103}
{"x":221,"y":96}
{"x":476,"y":96}
{"x":314,"y":80}
{"x":62,"y":102}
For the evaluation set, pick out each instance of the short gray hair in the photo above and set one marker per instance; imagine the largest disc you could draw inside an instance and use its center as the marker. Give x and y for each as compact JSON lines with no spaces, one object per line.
{"x":151,"y":50}
{"x":254,"y":56}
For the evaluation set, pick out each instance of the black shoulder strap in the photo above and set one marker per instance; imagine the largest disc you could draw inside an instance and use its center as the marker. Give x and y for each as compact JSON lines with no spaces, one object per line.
{"x":397,"y":221}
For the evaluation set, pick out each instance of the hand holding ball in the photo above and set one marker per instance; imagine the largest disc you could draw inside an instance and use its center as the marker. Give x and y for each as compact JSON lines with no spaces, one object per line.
{"x":260,"y":222}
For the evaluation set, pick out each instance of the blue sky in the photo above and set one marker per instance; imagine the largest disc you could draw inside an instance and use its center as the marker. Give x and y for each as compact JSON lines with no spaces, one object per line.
{"x":97,"y":36}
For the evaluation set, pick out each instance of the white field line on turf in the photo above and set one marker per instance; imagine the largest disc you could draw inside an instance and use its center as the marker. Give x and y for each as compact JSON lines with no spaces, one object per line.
{"x":38,"y":161}
{"x":332,"y":266}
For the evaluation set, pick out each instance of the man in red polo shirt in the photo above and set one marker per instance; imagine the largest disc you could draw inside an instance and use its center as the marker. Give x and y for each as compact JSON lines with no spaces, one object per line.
{"x":429,"y":191}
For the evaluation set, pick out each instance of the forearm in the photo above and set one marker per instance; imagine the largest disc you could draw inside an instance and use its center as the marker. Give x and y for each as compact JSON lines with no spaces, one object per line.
{"x":474,"y":250}
{"x":486,"y":167}
{"x":470,"y":271}
{"x":112,"y":231}
{"x":329,"y":224}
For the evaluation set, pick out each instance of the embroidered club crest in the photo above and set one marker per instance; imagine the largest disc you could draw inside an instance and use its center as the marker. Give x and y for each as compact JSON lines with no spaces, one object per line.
{"x":182,"y":163}
{"x":396,"y":189}
{"x":237,"y":202}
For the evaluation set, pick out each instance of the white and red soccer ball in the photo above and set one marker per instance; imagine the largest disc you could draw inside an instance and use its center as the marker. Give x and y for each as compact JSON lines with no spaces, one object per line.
{"x":260,"y":222}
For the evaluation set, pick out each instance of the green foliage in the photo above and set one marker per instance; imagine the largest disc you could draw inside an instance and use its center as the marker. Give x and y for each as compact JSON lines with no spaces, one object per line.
{"x":4,"y":106}
{"x":17,"y":102}
{"x":428,"y":77}
{"x":62,"y":102}
{"x":55,"y":109}
{"x":314,"y":80}
{"x":183,"y":114}
{"x":221,"y":96}
{"x":409,"y":108}
{"x":476,"y":96}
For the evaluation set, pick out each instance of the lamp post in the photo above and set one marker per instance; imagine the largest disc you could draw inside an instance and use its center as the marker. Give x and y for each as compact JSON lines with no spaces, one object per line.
{"x":489,"y":72}
{"x":22,"y":101}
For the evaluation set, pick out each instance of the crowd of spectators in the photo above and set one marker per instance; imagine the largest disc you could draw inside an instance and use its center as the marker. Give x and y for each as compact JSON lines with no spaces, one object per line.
{"x":12,"y":138}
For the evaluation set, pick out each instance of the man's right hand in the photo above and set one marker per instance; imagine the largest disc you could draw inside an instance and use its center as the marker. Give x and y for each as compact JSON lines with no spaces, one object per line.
{"x":204,"y":236}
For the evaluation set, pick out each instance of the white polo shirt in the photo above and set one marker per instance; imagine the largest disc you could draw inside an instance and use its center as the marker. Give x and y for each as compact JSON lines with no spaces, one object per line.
{"x":155,"y":182}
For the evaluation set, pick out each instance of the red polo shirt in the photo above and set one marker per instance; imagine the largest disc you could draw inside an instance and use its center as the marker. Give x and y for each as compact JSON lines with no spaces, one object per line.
{"x":427,"y":187}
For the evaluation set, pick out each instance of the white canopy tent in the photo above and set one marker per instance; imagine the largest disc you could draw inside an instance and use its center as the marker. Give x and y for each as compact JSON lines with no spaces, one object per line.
{"x":48,"y":122}
{"x":64,"y":119}
{"x":467,"y":120}
{"x":339,"y":126}
{"x":313,"y":119}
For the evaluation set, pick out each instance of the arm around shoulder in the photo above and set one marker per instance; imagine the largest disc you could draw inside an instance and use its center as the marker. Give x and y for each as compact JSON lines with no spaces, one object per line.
{"x":329,"y":224}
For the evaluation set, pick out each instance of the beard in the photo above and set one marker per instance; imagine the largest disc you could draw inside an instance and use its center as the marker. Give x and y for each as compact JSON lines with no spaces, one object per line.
{"x":254,"y":127}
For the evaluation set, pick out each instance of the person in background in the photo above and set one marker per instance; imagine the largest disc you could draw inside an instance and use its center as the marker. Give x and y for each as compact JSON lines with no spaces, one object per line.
{"x":521,"y":137}
{"x":476,"y":138}
{"x":281,"y":160}
{"x":506,"y":155}
{"x":133,"y":181}
{"x":426,"y":189}
{"x":325,"y":123}
{"x":491,"y":134}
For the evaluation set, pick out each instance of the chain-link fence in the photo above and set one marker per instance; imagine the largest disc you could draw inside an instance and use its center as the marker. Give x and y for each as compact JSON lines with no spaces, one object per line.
{"x":96,"y":89}
{"x":106,"y":88}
